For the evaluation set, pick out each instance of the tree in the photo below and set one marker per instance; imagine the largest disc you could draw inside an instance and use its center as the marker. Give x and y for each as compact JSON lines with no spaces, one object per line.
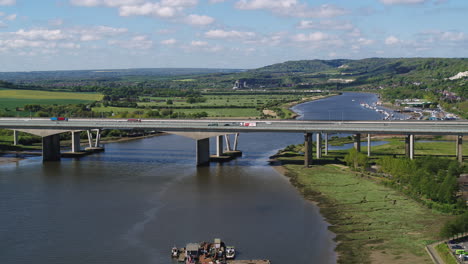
{"x":356,"y":160}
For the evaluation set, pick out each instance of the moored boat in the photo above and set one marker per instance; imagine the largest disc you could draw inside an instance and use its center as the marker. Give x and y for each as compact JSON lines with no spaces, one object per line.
{"x":230,"y":252}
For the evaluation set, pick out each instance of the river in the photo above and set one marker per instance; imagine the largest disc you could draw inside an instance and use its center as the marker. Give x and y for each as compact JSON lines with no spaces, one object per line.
{"x":133,"y":202}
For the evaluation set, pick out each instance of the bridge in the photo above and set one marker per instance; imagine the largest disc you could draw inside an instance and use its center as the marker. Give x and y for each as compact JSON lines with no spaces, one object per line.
{"x":202,"y":130}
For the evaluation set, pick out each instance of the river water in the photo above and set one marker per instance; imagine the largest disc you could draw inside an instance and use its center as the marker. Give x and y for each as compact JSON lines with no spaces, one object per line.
{"x":133,"y":202}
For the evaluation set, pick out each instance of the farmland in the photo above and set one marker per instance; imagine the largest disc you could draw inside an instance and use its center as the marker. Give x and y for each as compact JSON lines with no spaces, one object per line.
{"x":11,"y":99}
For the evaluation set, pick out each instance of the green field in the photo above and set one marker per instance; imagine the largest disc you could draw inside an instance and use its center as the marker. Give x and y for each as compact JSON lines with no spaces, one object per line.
{"x":373,"y":223}
{"x":397,"y":146}
{"x":45,"y":95}
{"x":12,"y":99}
{"x":221,"y":112}
{"x":222,"y":100}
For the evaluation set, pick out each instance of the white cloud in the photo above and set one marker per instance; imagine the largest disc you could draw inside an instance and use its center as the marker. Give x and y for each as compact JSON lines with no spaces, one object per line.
{"x":179,"y":3}
{"x":109,"y":3}
{"x":392,"y":40}
{"x":10,"y":17}
{"x":326,"y":25}
{"x":148,"y":9}
{"x":140,"y":42}
{"x":42,"y":39}
{"x":217,"y":1}
{"x":312,"y":37}
{"x":364,"y":41}
{"x":233,"y":34}
{"x":169,"y":41}
{"x":41,"y":34}
{"x":56,"y":22}
{"x":198,"y":20}
{"x":7,"y":2}
{"x":402,"y":2}
{"x":198,"y":43}
{"x":97,"y":33}
{"x":291,"y":8}
{"x":86,"y":2}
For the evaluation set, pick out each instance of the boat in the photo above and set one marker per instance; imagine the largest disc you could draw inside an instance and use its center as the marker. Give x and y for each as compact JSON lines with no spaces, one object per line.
{"x":230,"y":252}
{"x":174,"y":252}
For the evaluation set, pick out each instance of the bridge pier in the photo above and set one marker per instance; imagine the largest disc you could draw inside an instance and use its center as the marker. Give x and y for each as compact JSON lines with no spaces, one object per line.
{"x":357,"y":142}
{"x":325,"y":135}
{"x":236,"y":141}
{"x":228,"y":142}
{"x":318,"y":145}
{"x":411,"y":147}
{"x":76,"y":141}
{"x":219,"y":146}
{"x":307,"y":149}
{"x":15,"y":137}
{"x":368,"y":145}
{"x":407,"y":146}
{"x":51,"y":148}
{"x":203,"y":151}
{"x":460,"y":148}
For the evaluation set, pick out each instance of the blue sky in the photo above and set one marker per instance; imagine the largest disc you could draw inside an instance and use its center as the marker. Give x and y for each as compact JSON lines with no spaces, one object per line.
{"x":111,"y":34}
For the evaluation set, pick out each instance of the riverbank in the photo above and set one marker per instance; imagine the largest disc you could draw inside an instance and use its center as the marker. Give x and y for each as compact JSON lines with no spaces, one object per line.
{"x":288,"y":106}
{"x":372,"y":223}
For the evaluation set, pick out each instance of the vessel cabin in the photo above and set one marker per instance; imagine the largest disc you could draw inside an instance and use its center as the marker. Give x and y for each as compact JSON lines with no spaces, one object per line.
{"x":192,"y":250}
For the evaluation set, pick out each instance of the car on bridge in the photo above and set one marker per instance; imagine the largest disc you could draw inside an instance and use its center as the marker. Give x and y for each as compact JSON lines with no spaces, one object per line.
{"x":59,"y":119}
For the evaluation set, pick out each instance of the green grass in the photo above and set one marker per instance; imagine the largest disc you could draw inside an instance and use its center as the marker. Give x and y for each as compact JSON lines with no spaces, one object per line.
{"x":40,"y":95}
{"x":446,"y":254}
{"x":221,"y":112}
{"x":368,"y":218}
{"x":11,"y":99}
{"x":222,"y":100}
{"x":397,"y":146}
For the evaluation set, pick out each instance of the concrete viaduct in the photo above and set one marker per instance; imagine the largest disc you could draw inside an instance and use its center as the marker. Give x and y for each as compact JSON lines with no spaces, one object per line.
{"x":202,"y":130}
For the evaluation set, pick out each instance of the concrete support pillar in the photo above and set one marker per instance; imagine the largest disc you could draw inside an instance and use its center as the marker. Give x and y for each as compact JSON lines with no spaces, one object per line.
{"x":98,"y":138}
{"x":76,"y":141}
{"x":368,"y":145}
{"x":326,"y":143}
{"x":307,"y":149}
{"x":318,"y":145}
{"x":460,"y":149}
{"x":228,"y":142}
{"x":357,"y":142}
{"x":203,"y":151}
{"x":51,"y":148}
{"x":219,"y":146}
{"x":407,"y":146}
{"x":15,"y":137}
{"x":411,"y":146}
{"x":236,"y":141}
{"x":90,"y":138}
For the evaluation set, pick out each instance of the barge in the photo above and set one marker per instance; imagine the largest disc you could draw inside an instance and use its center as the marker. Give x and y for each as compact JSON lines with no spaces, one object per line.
{"x":210,"y":253}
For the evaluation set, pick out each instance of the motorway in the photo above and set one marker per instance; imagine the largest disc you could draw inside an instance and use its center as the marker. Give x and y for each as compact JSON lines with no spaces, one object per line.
{"x":242,"y":126}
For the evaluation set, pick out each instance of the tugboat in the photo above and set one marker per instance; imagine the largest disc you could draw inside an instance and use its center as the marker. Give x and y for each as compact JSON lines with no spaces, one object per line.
{"x":230,"y":252}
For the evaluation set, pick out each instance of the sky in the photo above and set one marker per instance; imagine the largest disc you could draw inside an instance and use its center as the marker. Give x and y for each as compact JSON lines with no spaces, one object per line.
{"x":39,"y":35}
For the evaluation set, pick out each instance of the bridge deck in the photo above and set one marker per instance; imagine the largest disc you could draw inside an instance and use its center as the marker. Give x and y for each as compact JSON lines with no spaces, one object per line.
{"x":236,"y":126}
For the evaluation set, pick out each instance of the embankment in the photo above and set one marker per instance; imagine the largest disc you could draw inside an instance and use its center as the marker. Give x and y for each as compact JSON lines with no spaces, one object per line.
{"x":372,"y":223}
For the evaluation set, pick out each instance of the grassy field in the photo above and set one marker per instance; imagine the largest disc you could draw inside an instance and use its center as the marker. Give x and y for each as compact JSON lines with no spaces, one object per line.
{"x":222,"y":100}
{"x":11,"y":99}
{"x":44,"y":95}
{"x":221,"y":112}
{"x":250,"y":104}
{"x":373,"y":223}
{"x":445,"y":254}
{"x":396,"y":146}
